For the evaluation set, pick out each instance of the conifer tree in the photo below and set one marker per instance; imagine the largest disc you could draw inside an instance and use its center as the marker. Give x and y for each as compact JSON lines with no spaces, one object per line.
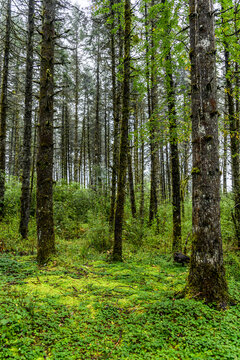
{"x":206,"y":276}
{"x":45,"y":225}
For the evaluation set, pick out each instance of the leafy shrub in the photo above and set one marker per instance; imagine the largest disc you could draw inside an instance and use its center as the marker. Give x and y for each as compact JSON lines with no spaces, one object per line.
{"x":12,"y":197}
{"x":133,"y":232}
{"x":98,"y":233}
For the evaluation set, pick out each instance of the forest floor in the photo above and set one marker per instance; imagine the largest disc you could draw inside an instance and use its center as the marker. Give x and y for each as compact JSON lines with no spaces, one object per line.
{"x":82,"y":309}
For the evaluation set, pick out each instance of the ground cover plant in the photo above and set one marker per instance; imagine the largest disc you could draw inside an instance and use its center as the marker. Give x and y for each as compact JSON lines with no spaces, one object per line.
{"x":99,"y":310}
{"x":82,"y":306}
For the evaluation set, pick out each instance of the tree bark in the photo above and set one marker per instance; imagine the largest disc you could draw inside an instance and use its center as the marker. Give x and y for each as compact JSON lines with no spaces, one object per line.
{"x":3,"y":108}
{"x":45,"y":225}
{"x":115,"y":122}
{"x":119,"y":213}
{"x":153,"y":122}
{"x":131,"y":184}
{"x":25,"y":196}
{"x":97,"y":135}
{"x":234,"y":144}
{"x":225,"y":144}
{"x":176,"y":196}
{"x":76,"y":145}
{"x":206,"y":275}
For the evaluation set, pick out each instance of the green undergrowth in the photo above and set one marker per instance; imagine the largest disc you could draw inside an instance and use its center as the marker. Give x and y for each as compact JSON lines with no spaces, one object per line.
{"x":82,"y":309}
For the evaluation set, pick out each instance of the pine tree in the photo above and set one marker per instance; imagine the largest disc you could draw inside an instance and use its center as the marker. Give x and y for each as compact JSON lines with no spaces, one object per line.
{"x":45,"y":226}
{"x":206,"y":276}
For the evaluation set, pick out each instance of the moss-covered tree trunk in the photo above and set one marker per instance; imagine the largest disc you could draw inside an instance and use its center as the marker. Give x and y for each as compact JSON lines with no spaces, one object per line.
{"x":45,"y":225}
{"x":206,"y":275}
{"x":123,"y":162}
{"x":26,"y":169}
{"x":115,"y":120}
{"x":234,"y":144}
{"x":76,"y":121}
{"x":3,"y":108}
{"x":131,"y":184}
{"x":97,"y":130}
{"x":136,"y":146}
{"x":173,"y":136}
{"x":141,"y":207}
{"x":153,"y":128}
{"x":175,"y":170}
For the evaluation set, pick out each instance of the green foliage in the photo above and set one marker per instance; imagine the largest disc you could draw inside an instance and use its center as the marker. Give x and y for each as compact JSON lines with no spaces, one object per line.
{"x":228,"y":233}
{"x":71,"y":205}
{"x":98,"y":234}
{"x":12,"y":197}
{"x":132,"y":310}
{"x":133,"y":233}
{"x":82,"y":307}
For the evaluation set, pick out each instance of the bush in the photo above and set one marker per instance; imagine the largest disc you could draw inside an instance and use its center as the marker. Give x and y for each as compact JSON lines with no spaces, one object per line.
{"x":12,"y":197}
{"x":98,"y":233}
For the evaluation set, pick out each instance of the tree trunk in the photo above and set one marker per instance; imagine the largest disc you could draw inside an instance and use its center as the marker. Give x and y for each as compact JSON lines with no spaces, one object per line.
{"x":45,"y":225}
{"x":176,"y":197}
{"x":206,"y":275}
{"x":25,"y":196}
{"x":76,"y":145}
{"x":34,"y":152}
{"x":153,"y":122}
{"x":234,"y":145}
{"x":162,"y":171}
{"x":63,"y":144}
{"x":141,"y":209}
{"x":136,"y":146}
{"x":115,"y":122}
{"x":17,"y":140}
{"x":3,"y":108}
{"x":117,"y":249}
{"x":131,"y":184}
{"x":225,"y":145}
{"x":168,"y":174}
{"x":97,"y":136}
{"x":89,"y":145}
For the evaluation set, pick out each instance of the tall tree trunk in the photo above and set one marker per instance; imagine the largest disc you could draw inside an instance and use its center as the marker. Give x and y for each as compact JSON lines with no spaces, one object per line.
{"x":162,"y":170}
{"x":234,"y":145}
{"x":76,"y":146}
{"x":117,"y":248}
{"x":63,"y":144}
{"x":106,"y":140}
{"x":175,"y":169}
{"x":89,"y":145}
{"x":206,"y":275}
{"x":97,"y":135}
{"x":115,"y":122}
{"x":141,"y":209}
{"x":3,"y":108}
{"x":176,"y":196}
{"x":131,"y":184}
{"x":225,"y":145}
{"x":45,"y":225}
{"x":136,"y":146}
{"x":153,"y":123}
{"x":17,"y":140}
{"x":34,"y":152}
{"x":168,"y":173}
{"x":68,"y":145}
{"x":25,"y":196}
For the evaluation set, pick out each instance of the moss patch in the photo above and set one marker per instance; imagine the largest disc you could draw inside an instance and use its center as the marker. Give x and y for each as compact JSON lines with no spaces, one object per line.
{"x":97,"y":310}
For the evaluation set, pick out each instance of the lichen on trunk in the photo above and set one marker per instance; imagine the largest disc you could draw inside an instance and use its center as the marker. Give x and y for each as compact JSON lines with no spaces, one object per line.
{"x":45,"y":225}
{"x":206,"y":275}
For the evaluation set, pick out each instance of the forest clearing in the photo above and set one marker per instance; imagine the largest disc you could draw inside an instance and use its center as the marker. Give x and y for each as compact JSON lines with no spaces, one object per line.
{"x":119,"y":179}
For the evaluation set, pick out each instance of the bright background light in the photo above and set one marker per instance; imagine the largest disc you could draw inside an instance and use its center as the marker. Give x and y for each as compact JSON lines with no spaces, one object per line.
{"x":83,"y":3}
